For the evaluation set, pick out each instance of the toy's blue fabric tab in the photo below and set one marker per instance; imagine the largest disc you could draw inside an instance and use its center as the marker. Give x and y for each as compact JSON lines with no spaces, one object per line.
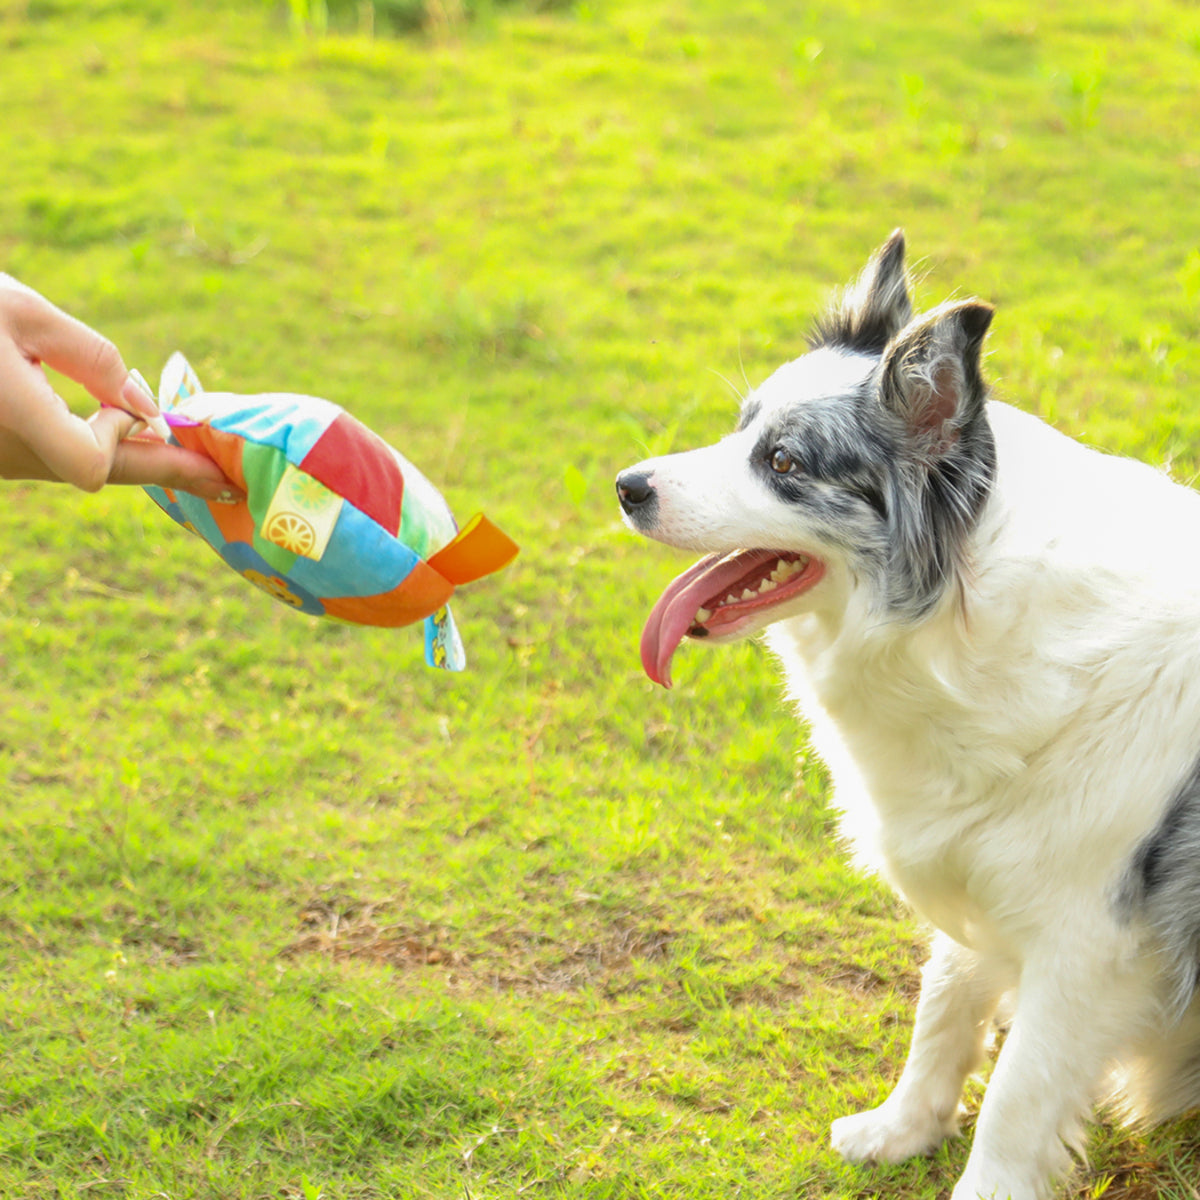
{"x":443,"y":646}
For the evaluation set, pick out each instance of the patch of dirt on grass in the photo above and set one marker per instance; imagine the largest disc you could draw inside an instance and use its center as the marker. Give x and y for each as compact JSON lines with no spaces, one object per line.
{"x":155,"y":940}
{"x":605,"y":960}
{"x":517,"y":960}
{"x":770,"y":994}
{"x":344,"y":928}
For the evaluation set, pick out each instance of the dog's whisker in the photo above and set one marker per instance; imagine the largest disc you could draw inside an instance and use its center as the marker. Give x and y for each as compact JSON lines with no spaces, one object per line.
{"x":738,"y":396}
{"x":742,"y":368}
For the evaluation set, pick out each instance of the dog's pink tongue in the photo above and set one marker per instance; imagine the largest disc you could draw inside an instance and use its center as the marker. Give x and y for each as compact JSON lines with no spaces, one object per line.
{"x":671,"y":618}
{"x":675,"y":612}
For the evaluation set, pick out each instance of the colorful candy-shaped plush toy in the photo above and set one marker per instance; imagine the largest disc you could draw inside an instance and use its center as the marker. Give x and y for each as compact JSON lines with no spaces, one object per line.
{"x":335,"y":522}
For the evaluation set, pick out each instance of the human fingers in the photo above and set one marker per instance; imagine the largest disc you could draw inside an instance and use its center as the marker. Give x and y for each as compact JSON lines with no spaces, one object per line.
{"x":68,"y":446}
{"x":19,"y":461}
{"x":44,"y":333}
{"x":139,"y":461}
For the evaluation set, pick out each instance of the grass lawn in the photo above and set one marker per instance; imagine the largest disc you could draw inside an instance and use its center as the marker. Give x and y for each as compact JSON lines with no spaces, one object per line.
{"x":286,"y":914}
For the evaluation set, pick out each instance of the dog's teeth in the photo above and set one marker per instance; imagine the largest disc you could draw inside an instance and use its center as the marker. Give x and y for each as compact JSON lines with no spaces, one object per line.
{"x":702,"y":615}
{"x":781,"y":574}
{"x":786,"y":570}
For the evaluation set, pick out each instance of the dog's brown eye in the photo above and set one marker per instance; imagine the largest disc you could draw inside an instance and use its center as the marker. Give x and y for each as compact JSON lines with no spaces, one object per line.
{"x":782,"y":462}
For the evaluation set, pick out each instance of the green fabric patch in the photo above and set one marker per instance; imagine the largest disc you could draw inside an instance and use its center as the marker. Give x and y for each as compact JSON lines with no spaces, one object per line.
{"x":263,"y":467}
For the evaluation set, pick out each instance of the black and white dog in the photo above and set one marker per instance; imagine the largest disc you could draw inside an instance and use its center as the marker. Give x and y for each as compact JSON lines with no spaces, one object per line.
{"x":995,"y":635}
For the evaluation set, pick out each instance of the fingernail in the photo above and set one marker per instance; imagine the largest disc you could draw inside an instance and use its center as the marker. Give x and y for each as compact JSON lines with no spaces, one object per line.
{"x":228,"y":497}
{"x":137,"y":394}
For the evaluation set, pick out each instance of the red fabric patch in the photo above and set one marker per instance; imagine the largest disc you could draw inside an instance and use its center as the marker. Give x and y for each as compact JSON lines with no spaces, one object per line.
{"x":355,"y":463}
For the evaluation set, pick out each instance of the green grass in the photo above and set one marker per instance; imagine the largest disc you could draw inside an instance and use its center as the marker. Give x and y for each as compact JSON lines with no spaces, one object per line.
{"x":287,"y":915}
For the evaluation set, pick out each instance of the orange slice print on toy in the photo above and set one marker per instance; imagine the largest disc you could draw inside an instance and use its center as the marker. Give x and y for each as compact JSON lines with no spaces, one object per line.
{"x":291,"y":532}
{"x":302,"y":514}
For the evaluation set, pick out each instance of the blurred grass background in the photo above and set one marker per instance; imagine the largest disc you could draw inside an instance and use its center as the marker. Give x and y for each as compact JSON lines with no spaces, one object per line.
{"x":286,"y":914}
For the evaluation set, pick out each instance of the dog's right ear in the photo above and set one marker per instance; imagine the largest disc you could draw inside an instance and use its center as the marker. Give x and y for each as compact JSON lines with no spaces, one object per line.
{"x":874,"y":308}
{"x":930,"y":376}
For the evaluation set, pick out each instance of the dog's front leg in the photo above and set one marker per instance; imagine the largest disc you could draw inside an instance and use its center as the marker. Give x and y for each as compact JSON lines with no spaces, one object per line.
{"x":1076,"y":1007}
{"x":959,"y":994}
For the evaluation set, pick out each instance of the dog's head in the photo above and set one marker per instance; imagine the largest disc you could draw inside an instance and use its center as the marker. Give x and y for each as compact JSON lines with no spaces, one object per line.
{"x":862,"y":465}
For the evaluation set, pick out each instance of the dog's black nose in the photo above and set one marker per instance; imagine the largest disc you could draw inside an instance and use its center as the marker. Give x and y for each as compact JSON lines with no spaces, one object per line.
{"x":634,"y":490}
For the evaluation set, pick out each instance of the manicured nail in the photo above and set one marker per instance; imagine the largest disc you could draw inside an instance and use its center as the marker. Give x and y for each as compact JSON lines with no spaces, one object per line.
{"x":137,"y":394}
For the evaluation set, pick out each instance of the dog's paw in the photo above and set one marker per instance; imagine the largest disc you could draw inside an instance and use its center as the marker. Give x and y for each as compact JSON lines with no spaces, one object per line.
{"x":890,"y":1133}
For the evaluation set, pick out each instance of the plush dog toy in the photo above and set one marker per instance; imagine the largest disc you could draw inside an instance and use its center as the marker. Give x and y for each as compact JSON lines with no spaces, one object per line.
{"x":335,"y":522}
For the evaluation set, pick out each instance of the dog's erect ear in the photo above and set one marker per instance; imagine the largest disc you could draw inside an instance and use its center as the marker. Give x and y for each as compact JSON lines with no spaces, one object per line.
{"x":930,"y":374}
{"x":874,"y":308}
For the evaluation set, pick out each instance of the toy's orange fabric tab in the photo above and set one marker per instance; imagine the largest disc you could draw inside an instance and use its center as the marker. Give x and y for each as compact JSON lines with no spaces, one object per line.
{"x":479,"y":549}
{"x":423,"y":592}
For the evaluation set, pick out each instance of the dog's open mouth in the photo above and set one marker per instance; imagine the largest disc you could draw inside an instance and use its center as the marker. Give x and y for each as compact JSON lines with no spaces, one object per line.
{"x":719,"y":596}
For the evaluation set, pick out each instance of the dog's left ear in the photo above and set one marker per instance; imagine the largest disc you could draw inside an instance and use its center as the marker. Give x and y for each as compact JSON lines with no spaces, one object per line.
{"x":930,"y":375}
{"x":874,"y":308}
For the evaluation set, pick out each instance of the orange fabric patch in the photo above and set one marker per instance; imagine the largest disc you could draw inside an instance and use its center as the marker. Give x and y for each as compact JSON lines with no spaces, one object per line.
{"x":423,"y":592}
{"x":225,"y":449}
{"x":234,"y":521}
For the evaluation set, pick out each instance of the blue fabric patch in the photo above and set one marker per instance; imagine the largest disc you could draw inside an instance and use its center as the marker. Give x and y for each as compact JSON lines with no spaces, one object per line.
{"x":361,"y":559}
{"x":189,"y":510}
{"x":280,"y":422}
{"x":252,"y":566}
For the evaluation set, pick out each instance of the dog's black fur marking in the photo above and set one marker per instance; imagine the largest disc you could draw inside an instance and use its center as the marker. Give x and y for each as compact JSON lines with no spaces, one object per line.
{"x":833,"y":443}
{"x":750,"y":410}
{"x":900,"y":468}
{"x":1162,"y":884}
{"x":872,"y":310}
{"x":1155,"y":865}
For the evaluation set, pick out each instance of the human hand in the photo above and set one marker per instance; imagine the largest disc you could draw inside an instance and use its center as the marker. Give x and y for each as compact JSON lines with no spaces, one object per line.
{"x":40,"y":438}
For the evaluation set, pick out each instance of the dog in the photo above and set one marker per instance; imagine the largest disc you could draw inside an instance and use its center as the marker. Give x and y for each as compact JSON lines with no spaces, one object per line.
{"x":994,"y":634}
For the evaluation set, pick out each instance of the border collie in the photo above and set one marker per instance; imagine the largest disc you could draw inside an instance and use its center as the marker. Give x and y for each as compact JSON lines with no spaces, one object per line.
{"x":994,"y":633}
